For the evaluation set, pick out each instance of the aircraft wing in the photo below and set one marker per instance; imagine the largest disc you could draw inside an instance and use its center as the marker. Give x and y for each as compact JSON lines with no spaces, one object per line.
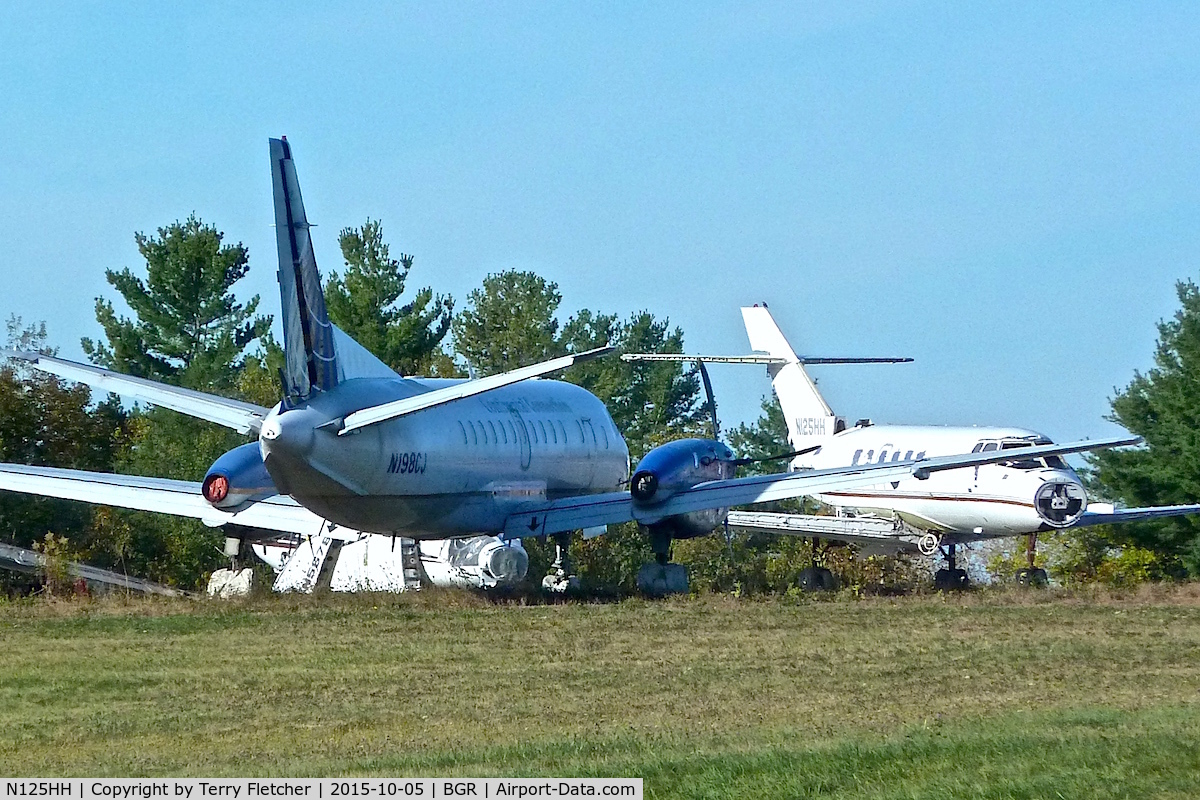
{"x":409,"y":405}
{"x":586,"y":511}
{"x":242,"y":417}
{"x":1112,"y":515}
{"x":179,"y":498}
{"x":757,"y":358}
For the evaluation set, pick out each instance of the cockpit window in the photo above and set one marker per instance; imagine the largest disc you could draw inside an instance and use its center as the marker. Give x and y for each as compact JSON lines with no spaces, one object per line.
{"x":1024,"y":463}
{"x":990,"y":446}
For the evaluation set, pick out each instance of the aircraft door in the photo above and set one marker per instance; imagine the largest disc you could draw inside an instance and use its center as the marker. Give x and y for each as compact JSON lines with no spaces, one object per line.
{"x":982,"y":447}
{"x":522,"y":439}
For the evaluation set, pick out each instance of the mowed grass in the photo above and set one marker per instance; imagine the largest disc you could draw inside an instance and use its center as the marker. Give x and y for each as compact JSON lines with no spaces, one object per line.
{"x":987,"y":694}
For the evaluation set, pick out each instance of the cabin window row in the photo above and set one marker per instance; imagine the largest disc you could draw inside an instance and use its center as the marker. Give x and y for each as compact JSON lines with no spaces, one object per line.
{"x":538,"y":432}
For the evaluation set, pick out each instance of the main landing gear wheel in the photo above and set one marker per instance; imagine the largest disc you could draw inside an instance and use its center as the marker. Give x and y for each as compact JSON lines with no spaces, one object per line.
{"x":661,"y":577}
{"x":813,"y":578}
{"x":660,"y":580}
{"x":1032,"y":577}
{"x":560,"y":580}
{"x":817,"y":579}
{"x":951,"y":577}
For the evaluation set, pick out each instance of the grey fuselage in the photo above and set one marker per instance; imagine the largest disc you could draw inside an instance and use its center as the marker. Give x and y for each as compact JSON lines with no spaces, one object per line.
{"x":451,"y":470}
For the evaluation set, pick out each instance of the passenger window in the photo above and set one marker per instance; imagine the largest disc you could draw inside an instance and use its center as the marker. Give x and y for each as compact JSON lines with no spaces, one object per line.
{"x":563,"y":431}
{"x":474,"y":433}
{"x":495,"y":437}
{"x":604,"y":433}
{"x":532,"y":432}
{"x":516,"y":439}
{"x":483,"y":432}
{"x":463,"y":428}
{"x":582,"y":438}
{"x":908,"y":456}
{"x":545,"y":438}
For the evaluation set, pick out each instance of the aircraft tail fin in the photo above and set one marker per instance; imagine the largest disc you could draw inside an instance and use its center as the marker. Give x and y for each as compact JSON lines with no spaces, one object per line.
{"x":311,"y":360}
{"x":809,"y":418}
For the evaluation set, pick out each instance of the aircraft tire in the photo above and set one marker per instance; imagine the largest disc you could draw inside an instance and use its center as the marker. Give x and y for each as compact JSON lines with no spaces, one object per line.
{"x":660,"y":580}
{"x":950,"y":579}
{"x":817,"y":579}
{"x":1032,"y":577}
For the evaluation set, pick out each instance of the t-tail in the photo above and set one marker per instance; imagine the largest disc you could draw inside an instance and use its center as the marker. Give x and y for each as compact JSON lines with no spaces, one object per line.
{"x":810,"y":421}
{"x":311,"y":361}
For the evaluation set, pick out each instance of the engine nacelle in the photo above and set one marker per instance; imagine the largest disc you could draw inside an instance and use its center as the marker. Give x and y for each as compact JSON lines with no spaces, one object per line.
{"x":237,"y":479}
{"x":1060,"y":503}
{"x":481,"y":562}
{"x":673,"y":467}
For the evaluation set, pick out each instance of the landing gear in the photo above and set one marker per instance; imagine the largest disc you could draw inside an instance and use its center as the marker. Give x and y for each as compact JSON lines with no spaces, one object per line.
{"x":662,"y":578}
{"x":560,"y":580}
{"x":1032,"y":575}
{"x":951,"y":577}
{"x":816,"y":579}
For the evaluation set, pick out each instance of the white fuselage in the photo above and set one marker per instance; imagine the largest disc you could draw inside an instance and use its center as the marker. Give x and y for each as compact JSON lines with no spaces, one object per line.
{"x":995,"y":500}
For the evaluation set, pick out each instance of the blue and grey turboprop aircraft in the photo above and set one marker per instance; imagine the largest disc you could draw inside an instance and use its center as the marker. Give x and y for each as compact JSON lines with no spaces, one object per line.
{"x":353,"y":448}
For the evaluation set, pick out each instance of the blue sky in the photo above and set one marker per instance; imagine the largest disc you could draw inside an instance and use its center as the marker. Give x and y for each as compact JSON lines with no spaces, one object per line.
{"x":1007,"y":193}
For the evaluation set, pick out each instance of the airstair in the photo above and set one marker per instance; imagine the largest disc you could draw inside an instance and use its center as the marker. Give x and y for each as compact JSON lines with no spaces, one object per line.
{"x":372,"y":563}
{"x":872,"y":534}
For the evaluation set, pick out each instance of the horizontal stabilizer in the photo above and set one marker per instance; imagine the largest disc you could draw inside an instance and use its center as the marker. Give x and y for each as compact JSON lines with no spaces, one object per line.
{"x":409,"y":405}
{"x":242,"y":417}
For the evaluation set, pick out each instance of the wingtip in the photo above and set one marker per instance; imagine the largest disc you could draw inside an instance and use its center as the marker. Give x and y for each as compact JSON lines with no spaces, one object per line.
{"x":19,"y":355}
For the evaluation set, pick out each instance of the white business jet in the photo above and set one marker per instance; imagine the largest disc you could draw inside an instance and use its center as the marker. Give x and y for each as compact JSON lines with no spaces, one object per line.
{"x":1024,"y":494}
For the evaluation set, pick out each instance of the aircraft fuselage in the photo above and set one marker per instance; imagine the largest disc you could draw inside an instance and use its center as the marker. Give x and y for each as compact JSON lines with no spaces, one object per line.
{"x":991,"y":500}
{"x":448,"y":471}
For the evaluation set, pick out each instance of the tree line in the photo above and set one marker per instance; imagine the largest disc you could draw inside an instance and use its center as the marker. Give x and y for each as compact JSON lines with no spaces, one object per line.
{"x":188,"y":329}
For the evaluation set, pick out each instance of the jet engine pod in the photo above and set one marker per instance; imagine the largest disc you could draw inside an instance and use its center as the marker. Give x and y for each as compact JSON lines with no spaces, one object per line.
{"x":478,"y":562}
{"x":1060,"y":503}
{"x":237,"y":479}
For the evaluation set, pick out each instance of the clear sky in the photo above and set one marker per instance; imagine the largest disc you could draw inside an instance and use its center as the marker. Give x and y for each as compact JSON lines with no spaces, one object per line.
{"x":1006,"y":193}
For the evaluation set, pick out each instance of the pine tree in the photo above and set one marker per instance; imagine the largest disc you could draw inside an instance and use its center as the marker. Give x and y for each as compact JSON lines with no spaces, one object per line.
{"x":1163,"y":407}
{"x":363,"y":302}
{"x":508,"y":323}
{"x":189,"y":328}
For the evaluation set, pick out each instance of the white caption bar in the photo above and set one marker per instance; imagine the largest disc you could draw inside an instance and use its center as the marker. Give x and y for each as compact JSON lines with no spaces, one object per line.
{"x":318,"y":788}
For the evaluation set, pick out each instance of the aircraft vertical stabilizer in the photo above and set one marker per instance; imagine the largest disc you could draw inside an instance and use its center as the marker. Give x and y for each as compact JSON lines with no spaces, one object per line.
{"x":809,"y":418}
{"x":311,"y":361}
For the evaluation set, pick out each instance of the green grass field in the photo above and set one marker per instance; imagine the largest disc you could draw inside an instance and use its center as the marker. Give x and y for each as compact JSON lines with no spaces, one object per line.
{"x":988,"y":694}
